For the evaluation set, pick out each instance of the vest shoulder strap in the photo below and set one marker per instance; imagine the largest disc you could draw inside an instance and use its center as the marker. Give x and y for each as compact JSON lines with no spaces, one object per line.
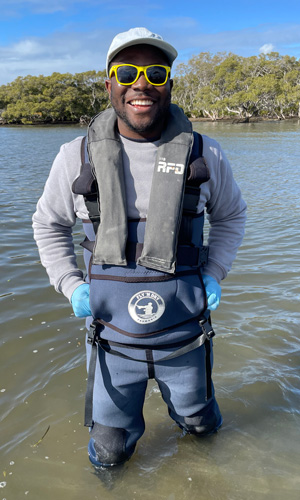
{"x":85,"y":183}
{"x":198,"y":171}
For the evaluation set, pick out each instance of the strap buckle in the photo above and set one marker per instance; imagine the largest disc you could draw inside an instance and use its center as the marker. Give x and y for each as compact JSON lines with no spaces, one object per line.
{"x":207,"y":329}
{"x":94,"y":333}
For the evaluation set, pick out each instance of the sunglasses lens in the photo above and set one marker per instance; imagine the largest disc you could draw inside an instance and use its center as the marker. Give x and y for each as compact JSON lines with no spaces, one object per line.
{"x":157,"y":75}
{"x":126,"y":74}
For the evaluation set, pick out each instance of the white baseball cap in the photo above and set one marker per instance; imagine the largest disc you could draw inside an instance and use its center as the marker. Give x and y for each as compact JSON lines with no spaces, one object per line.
{"x":137,"y":36}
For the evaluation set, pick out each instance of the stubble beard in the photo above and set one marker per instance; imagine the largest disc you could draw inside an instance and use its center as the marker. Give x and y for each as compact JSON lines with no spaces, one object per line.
{"x":150,"y":126}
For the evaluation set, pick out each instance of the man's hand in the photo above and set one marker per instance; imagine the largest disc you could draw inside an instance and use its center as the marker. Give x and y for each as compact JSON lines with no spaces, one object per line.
{"x":213,"y":292}
{"x":80,"y":301}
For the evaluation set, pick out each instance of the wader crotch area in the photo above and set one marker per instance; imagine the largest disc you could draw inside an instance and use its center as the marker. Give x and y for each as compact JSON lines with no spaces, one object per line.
{"x":178,"y":349}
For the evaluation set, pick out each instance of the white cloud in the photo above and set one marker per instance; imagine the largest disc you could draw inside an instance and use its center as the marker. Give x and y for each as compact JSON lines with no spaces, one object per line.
{"x":245,"y":42}
{"x":26,"y":48}
{"x":62,"y":52}
{"x":267,"y":48}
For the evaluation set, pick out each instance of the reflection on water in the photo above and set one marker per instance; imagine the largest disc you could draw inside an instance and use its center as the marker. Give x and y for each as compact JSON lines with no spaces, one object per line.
{"x":256,"y":372}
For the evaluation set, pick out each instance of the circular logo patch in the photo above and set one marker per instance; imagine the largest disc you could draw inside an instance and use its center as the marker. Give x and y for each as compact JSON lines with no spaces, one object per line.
{"x":146,"y":307}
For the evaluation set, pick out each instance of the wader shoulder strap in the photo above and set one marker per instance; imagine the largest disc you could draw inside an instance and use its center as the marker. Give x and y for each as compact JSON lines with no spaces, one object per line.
{"x":197,"y":150}
{"x":198,"y":173}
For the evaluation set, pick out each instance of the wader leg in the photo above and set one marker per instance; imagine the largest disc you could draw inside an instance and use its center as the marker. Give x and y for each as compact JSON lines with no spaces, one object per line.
{"x":206,"y":421}
{"x":119,"y":393}
{"x":190,"y":395}
{"x":107,"y":446}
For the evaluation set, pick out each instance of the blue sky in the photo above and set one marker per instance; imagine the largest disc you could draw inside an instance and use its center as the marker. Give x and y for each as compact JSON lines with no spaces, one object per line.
{"x":43,"y":36}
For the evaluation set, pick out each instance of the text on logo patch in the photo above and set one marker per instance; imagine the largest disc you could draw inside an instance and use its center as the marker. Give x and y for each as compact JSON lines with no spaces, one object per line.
{"x":146,"y":307}
{"x":167,"y":167}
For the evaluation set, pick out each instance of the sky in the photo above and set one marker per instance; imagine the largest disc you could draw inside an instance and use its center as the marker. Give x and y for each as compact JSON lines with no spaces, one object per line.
{"x":39,"y":37}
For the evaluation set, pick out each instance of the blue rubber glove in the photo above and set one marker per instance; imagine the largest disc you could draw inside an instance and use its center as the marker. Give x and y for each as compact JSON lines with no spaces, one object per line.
{"x":80,"y":301}
{"x":213,"y":292}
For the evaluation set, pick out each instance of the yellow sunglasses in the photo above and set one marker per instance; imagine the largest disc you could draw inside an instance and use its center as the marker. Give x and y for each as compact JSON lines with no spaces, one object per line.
{"x":127,"y":74}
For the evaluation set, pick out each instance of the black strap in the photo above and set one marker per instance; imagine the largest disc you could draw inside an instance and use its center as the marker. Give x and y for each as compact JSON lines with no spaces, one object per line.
{"x":89,"y":395}
{"x":208,"y":369}
{"x":197,"y":147}
{"x":198,"y":342}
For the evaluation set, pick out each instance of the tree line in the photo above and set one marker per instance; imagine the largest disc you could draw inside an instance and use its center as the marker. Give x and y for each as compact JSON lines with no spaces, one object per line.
{"x":53,"y":99}
{"x":221,"y":85}
{"x":207,"y":86}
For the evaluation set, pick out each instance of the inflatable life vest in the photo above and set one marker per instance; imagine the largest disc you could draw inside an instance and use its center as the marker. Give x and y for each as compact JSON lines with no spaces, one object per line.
{"x":141,"y":295}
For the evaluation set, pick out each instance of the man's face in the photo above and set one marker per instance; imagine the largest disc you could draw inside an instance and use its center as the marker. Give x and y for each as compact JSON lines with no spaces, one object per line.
{"x":141,"y":107}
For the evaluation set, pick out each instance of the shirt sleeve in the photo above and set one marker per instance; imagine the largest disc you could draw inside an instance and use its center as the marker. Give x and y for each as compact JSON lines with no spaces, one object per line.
{"x":226,"y":212}
{"x":54,"y":219}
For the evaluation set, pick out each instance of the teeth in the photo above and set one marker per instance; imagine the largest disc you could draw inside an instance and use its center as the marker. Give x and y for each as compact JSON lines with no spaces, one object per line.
{"x":140,"y":102}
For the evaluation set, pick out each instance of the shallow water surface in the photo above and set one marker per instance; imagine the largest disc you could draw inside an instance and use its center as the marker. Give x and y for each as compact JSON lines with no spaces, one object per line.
{"x":256,"y":454}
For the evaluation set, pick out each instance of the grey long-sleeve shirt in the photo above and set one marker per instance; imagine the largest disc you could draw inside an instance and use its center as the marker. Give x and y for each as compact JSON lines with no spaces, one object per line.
{"x":58,"y":208}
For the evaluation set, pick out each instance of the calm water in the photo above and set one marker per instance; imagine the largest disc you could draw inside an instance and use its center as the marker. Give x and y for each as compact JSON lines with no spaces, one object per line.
{"x":256,"y":455}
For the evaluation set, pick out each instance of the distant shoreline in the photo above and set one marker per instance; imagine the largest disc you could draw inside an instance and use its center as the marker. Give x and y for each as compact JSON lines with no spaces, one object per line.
{"x":254,"y":119}
{"x":226,"y":119}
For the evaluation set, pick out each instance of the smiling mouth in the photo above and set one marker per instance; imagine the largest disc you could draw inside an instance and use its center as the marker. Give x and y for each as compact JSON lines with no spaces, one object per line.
{"x":141,"y":102}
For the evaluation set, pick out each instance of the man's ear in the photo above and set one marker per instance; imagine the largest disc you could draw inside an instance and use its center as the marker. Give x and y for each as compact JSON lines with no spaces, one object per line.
{"x":171,"y":83}
{"x":108,"y":86}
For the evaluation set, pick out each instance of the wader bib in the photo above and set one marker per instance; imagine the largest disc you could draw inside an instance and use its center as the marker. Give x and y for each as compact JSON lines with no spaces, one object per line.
{"x":146,"y":291}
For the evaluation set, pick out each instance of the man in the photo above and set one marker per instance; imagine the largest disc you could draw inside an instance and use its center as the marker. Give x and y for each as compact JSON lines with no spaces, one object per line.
{"x":140,"y":184}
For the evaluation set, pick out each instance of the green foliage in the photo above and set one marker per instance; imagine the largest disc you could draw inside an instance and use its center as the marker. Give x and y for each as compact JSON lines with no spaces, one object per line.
{"x":55,"y":98}
{"x":231,"y":85}
{"x":214,"y":86}
{"x":192,"y":77}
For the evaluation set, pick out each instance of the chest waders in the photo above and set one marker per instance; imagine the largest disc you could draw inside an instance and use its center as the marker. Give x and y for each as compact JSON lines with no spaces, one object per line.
{"x":146,"y":289}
